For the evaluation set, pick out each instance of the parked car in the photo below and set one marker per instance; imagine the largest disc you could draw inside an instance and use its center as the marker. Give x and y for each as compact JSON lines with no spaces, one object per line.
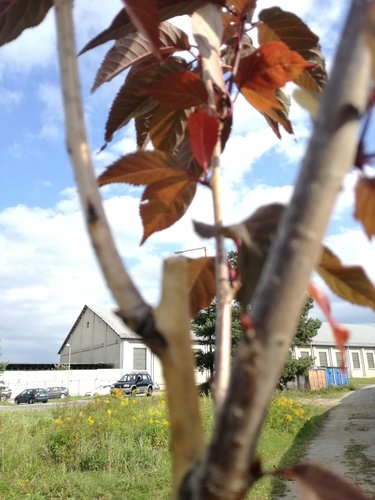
{"x":5,"y":392}
{"x":57,"y":392}
{"x":139,"y":382}
{"x":31,"y":396}
{"x":101,"y":390}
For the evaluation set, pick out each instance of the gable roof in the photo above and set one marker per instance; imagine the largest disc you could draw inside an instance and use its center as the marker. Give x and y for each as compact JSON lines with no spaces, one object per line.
{"x":361,"y":335}
{"x":109,"y":317}
{"x":117,"y":325}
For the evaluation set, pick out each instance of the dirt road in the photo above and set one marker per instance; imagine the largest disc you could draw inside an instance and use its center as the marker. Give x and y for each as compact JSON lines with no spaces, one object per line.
{"x":346,"y":443}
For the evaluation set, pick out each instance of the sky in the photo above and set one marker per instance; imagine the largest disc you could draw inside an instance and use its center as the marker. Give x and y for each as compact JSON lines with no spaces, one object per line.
{"x":48,"y":271}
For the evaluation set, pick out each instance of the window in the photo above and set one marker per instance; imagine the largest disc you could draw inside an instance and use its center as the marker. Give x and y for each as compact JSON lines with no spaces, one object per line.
{"x":305,"y":354}
{"x":87,"y":324}
{"x":323,"y":359}
{"x":356,"y":363}
{"x":338,"y":358}
{"x":139,"y":358}
{"x":370,"y":359}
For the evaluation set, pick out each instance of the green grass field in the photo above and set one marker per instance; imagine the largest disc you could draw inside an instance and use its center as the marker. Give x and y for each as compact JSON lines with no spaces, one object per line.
{"x":114,"y":448}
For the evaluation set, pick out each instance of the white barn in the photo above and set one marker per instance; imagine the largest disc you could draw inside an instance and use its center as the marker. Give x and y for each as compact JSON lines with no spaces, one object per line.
{"x":98,"y":336}
{"x":360,"y":349}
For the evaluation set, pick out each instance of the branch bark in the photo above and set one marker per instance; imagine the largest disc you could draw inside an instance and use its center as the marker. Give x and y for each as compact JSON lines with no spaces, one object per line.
{"x":131,"y":304}
{"x":230,"y":467}
{"x":173,"y":321}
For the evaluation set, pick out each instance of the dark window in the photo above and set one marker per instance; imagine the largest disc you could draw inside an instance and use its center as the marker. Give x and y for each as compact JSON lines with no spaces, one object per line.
{"x":305,"y":354}
{"x":323,"y":359}
{"x":338,"y":358}
{"x":139,"y":358}
{"x":87,"y":324}
{"x":356,"y":363}
{"x":370,"y":360}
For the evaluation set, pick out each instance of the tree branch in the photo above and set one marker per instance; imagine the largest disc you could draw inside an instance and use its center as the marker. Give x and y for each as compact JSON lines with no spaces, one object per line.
{"x":131,"y":304}
{"x":173,"y":320}
{"x":230,"y":467}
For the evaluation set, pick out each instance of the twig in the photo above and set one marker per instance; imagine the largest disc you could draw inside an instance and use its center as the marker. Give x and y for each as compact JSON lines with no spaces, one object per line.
{"x":129,"y":300}
{"x":230,"y":467}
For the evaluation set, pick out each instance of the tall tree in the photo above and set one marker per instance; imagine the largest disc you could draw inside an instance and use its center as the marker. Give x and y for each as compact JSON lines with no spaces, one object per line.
{"x":204,"y":328}
{"x":307,"y":328}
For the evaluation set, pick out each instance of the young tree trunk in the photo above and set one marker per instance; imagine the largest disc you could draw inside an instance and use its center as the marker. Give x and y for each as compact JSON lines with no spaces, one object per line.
{"x":230,"y":466}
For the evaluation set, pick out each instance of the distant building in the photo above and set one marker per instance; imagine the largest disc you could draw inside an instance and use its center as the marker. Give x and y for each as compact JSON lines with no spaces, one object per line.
{"x":99,"y":337}
{"x":360,"y":349}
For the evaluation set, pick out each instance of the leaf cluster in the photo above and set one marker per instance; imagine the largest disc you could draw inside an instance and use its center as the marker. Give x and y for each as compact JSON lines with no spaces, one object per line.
{"x":165,"y":96}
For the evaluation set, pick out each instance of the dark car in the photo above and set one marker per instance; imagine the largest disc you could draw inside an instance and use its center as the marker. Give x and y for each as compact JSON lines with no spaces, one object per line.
{"x":5,"y":393}
{"x":31,"y":396}
{"x":139,"y":382}
{"x":57,"y":392}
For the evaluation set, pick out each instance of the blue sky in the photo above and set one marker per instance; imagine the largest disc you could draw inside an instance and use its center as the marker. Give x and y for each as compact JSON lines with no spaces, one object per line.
{"x":47,"y":269}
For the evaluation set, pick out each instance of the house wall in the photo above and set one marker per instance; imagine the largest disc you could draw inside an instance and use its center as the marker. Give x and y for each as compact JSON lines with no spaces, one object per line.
{"x":93,"y":341}
{"x":78,"y":381}
{"x":354,"y":355}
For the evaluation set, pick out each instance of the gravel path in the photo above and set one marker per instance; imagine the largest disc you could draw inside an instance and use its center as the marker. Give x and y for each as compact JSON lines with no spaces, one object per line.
{"x":346,"y":443}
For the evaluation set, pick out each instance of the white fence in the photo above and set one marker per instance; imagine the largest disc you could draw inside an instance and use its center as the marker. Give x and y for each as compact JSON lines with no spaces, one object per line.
{"x":78,"y":381}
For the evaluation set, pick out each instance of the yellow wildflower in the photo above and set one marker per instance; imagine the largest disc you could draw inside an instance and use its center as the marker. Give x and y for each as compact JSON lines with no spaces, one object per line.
{"x":90,"y":420}
{"x":58,"y":421}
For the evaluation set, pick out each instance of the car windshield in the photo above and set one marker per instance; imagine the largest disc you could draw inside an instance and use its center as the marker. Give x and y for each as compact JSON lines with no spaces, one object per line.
{"x":129,"y":377}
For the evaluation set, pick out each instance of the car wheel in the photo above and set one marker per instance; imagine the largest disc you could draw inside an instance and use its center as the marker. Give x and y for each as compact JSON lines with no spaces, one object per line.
{"x":62,"y":396}
{"x":16,"y":402}
{"x":134,"y":391}
{"x":31,"y":401}
{"x":149,"y":391}
{"x":45,"y":401}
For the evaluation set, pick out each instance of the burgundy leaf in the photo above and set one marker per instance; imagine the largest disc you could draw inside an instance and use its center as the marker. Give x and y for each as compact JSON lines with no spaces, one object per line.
{"x":122,"y":26}
{"x":204,"y":133}
{"x":135,"y":47}
{"x":318,"y":483}
{"x":179,"y":91}
{"x":145,"y":16}
{"x":18,"y":15}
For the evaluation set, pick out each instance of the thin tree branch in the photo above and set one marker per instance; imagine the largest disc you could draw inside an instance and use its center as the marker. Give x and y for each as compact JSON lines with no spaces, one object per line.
{"x":224,"y":296}
{"x":230,"y":467}
{"x":131,"y":304}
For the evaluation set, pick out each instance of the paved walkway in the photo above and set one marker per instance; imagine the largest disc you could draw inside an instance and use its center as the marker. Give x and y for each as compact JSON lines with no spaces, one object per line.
{"x":346,"y":443}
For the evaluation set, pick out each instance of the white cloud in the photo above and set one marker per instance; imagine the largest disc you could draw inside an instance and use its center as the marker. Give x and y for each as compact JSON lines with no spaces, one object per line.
{"x":48,"y":269}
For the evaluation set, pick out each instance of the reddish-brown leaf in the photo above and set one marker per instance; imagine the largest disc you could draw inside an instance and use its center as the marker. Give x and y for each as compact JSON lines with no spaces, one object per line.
{"x":365,"y":204}
{"x":270,"y":67}
{"x":17,"y":16}
{"x":165,"y":202}
{"x":201,"y":282}
{"x":340,"y":333}
{"x":130,"y":101}
{"x":273,"y":104}
{"x":277,"y":24}
{"x":5,"y":5}
{"x":207,"y":26}
{"x":134,"y":48}
{"x":141,"y":168}
{"x":179,"y":91}
{"x":348,"y":282}
{"x":167,"y":128}
{"x":314,"y":482}
{"x":122,"y":26}
{"x":145,"y":16}
{"x":204,"y":134}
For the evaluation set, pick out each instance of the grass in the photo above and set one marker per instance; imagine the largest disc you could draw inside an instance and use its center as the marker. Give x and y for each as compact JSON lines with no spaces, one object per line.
{"x":114,"y":448}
